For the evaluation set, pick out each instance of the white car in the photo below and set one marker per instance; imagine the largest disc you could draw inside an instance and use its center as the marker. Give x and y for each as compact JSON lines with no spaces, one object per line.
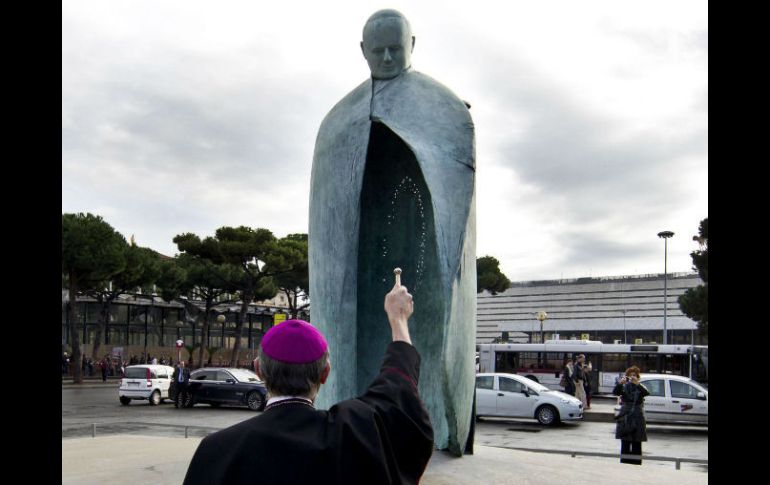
{"x":147,"y":382}
{"x":511,"y":395}
{"x":674,"y":399}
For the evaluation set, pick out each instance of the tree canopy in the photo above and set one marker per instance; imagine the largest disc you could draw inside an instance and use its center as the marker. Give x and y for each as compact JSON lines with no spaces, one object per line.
{"x":489,"y":277}
{"x":92,"y":252}
{"x":694,"y":302}
{"x":294,"y":281}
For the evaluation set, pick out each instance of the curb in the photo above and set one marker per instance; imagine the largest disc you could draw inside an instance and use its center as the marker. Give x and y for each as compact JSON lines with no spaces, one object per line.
{"x":599,"y":417}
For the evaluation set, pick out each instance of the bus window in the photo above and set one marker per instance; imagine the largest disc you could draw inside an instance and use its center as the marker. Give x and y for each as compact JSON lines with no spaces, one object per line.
{"x":614,"y":363}
{"x":506,"y":362}
{"x":554,"y":360}
{"x":647,"y":363}
{"x":674,"y":364}
{"x":700,"y":366}
{"x":529,"y":360}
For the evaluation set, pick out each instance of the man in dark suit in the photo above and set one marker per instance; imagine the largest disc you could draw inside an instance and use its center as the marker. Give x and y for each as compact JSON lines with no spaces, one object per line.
{"x":180,"y":380}
{"x":384,"y":436}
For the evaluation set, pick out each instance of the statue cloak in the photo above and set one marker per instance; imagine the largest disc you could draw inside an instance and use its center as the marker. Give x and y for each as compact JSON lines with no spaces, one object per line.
{"x":437,"y":128}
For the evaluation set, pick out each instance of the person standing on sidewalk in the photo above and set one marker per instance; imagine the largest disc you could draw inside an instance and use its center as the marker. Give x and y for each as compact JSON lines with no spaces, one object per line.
{"x":103,"y":367}
{"x":568,"y":377}
{"x":181,"y":379}
{"x":631,"y":425}
{"x":580,"y":389}
{"x":587,"y":369}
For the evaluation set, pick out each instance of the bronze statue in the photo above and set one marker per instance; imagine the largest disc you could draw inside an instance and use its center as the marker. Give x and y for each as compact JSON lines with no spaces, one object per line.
{"x":393,"y":185}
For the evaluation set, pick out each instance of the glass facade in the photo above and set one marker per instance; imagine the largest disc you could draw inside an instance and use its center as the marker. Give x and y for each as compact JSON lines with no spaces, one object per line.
{"x":134,"y":322}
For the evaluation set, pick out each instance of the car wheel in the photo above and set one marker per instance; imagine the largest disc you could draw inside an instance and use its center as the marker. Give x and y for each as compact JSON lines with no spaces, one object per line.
{"x":215,"y":404}
{"x":547,"y":415}
{"x":255,"y":401}
{"x":155,"y":398}
{"x":125,"y":400}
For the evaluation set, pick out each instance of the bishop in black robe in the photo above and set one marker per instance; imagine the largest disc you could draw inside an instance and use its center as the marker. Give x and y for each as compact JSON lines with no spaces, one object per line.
{"x":381,"y":437}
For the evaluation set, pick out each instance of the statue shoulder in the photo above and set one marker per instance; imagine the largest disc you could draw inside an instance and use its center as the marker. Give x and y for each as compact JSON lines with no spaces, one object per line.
{"x":352,"y":102}
{"x":426,"y":82}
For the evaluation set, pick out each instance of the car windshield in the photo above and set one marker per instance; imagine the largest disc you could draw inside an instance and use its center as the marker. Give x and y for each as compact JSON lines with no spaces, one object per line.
{"x":244,"y":375}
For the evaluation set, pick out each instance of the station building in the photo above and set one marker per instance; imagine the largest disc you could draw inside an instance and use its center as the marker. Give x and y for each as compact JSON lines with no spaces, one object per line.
{"x":622,"y":309}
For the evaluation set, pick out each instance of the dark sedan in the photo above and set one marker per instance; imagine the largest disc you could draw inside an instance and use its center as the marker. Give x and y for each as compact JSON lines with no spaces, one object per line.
{"x":228,"y":386}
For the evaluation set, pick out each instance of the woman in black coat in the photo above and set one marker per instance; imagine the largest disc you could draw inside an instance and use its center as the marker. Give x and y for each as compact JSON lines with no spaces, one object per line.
{"x":631,"y":426}
{"x":568,"y":380}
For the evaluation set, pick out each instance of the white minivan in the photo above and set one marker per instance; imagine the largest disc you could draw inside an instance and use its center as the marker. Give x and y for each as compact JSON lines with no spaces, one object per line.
{"x":674,"y":399}
{"x":147,"y":382}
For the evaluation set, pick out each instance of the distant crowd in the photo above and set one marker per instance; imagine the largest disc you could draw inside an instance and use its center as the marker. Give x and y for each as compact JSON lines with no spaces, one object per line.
{"x":112,"y":366}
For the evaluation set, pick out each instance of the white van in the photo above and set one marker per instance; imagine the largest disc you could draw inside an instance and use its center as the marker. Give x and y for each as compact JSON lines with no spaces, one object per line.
{"x":147,"y":382}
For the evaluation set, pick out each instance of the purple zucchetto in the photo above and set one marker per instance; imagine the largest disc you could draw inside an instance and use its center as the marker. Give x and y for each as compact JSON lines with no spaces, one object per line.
{"x":294,"y":342}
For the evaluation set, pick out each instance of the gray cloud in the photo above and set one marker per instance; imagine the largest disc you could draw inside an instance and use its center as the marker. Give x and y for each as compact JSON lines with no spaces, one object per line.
{"x":162,"y":138}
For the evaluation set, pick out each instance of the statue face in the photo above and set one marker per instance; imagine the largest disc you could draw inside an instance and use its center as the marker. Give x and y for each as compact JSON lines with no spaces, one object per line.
{"x":387,"y":47}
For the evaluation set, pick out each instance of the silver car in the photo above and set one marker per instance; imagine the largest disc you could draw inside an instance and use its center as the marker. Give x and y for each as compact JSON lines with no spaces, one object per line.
{"x":511,"y":395}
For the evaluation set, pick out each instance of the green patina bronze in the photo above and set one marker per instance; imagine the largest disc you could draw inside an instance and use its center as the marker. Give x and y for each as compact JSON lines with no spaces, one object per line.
{"x":393,"y":185}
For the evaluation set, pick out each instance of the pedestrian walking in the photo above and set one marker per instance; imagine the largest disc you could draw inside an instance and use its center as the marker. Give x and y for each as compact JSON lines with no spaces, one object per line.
{"x":631,"y":424}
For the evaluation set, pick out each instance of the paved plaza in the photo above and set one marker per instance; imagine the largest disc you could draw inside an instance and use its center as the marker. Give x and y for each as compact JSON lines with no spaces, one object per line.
{"x":164,"y":460}
{"x":147,"y":443}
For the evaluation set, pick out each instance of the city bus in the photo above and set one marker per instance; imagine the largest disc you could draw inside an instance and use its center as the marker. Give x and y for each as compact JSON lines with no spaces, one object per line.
{"x":544,"y":362}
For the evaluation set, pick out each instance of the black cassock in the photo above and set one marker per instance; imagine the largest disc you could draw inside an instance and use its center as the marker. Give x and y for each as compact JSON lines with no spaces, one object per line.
{"x":384,"y":436}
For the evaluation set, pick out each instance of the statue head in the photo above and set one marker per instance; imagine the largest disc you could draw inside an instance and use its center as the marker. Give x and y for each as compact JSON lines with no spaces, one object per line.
{"x":387,"y":44}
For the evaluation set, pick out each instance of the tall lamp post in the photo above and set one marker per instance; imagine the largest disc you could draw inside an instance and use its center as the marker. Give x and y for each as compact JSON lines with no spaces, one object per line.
{"x":665,"y":235}
{"x":541,"y":316}
{"x":625,"y":335}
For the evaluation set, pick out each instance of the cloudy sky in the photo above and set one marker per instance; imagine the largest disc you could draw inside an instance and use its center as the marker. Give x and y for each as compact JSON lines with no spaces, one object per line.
{"x":591,"y":119}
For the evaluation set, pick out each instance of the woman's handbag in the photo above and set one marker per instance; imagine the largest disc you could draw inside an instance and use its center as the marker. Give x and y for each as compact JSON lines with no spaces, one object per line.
{"x":626,"y":425}
{"x":626,"y":421}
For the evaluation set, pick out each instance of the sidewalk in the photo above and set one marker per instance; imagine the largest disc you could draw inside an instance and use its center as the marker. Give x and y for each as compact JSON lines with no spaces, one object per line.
{"x":162,"y":460}
{"x":90,"y":382}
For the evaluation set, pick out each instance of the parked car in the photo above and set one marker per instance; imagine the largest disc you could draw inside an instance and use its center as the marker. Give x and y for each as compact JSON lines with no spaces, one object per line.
{"x":674,"y":399}
{"x":147,"y":382}
{"x":515,"y":396}
{"x":230,"y":386}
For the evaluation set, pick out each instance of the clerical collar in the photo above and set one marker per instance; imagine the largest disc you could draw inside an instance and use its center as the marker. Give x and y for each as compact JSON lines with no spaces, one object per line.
{"x":283,"y":400}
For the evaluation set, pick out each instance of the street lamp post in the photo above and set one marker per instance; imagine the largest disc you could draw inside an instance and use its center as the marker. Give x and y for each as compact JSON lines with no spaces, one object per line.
{"x":665,"y":235}
{"x":541,"y":316}
{"x":625,"y":335}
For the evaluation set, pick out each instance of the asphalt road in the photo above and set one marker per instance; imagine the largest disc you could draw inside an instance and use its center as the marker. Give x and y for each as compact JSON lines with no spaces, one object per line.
{"x":81,"y":408}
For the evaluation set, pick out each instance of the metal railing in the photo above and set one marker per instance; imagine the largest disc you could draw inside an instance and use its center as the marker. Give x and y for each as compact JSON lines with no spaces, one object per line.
{"x":677,"y":461}
{"x":128,"y":427}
